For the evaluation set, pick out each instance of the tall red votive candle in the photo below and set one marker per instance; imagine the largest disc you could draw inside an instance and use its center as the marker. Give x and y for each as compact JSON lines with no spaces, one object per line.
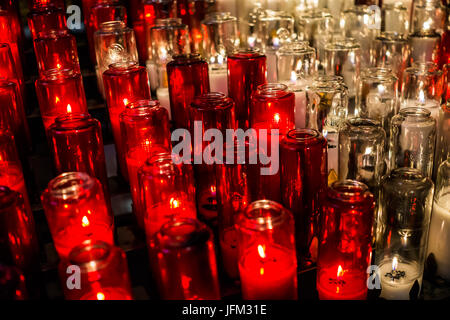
{"x":60,"y":92}
{"x":183,"y":261}
{"x":208,"y":111}
{"x":103,"y":270}
{"x":56,"y":50}
{"x":77,"y":144}
{"x":246,"y":71}
{"x":12,"y":115}
{"x":304,"y":179}
{"x":188,"y":77}
{"x":18,"y":241}
{"x":45,"y":18}
{"x":76,"y":211}
{"x":167,"y":191}
{"x":267,"y":258}
{"x":124,"y":82}
{"x":145,"y":131}
{"x":345,"y":241}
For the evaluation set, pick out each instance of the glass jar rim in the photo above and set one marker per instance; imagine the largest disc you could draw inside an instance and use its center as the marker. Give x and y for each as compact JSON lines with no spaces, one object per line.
{"x":58,"y":74}
{"x":112,"y":25}
{"x":168,"y":24}
{"x":272,"y":90}
{"x":186,"y":58}
{"x":213,"y":18}
{"x":270,"y":15}
{"x":368,"y":127}
{"x":252,"y":217}
{"x":183,"y":233}
{"x":126,"y":65}
{"x":212,"y":101}
{"x":162,"y":162}
{"x":73,"y":121}
{"x":424,"y":68}
{"x":246,"y":53}
{"x":351,"y":191}
{"x":70,"y":185}
{"x":140,"y":109}
{"x":380,"y":74}
{"x":91,"y":255}
{"x":315,"y":13}
{"x":416,"y":112}
{"x":303,"y":136}
{"x":346,"y":44}
{"x":295,"y":48}
{"x":391,"y":37}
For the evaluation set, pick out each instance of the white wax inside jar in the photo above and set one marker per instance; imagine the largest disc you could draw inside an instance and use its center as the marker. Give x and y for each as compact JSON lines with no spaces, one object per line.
{"x":300,"y":109}
{"x":152,"y":71}
{"x":218,"y":80}
{"x":439,"y":236}
{"x":271,"y":67}
{"x":162,"y":94}
{"x":398,"y":289}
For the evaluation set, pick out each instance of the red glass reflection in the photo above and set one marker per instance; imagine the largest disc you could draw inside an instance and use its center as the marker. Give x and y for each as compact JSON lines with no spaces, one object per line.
{"x":42,"y":19}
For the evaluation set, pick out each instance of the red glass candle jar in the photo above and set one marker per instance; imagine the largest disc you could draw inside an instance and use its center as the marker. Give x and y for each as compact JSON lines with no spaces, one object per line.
{"x":103,"y":270}
{"x":8,"y":69}
{"x":267,"y":258}
{"x":145,"y":131}
{"x":208,"y":111}
{"x":12,"y":115}
{"x":99,"y":12}
{"x":187,"y":77}
{"x":184,"y":262}
{"x":233,"y":195}
{"x":246,"y":71}
{"x":77,"y":144}
{"x":345,"y":241}
{"x":18,"y":241}
{"x":76,"y":211}
{"x":137,"y":16}
{"x":12,"y":284}
{"x":446,"y":75}
{"x":304,"y":179}
{"x":157,"y":9}
{"x":45,"y":18}
{"x":42,"y":3}
{"x":60,"y":92}
{"x":445,"y":48}
{"x":12,"y":7}
{"x":56,"y":50}
{"x":11,"y":173}
{"x":175,"y":195}
{"x":192,"y":13}
{"x":124,"y":82}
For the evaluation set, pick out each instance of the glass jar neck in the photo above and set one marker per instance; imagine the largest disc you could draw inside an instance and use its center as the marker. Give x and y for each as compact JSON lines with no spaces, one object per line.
{"x":91,"y":256}
{"x":349,"y":191}
{"x":272,"y":90}
{"x":183,"y":233}
{"x":263,"y":215}
{"x":212,"y":101}
{"x":73,"y":121}
{"x":70,"y":185}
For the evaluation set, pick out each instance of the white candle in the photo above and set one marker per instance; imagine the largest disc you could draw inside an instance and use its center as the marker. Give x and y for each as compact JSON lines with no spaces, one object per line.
{"x":162,"y":94}
{"x":271,"y":66}
{"x":152,"y":71}
{"x":397,"y":278}
{"x":218,"y":80}
{"x":439,"y":236}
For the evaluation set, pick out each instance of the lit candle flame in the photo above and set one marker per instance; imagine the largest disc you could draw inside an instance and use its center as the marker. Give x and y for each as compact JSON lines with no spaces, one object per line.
{"x":261,"y":251}
{"x":57,"y":100}
{"x":394,"y":264}
{"x":340,"y":272}
{"x":174,"y":203}
{"x":85,"y":222}
{"x":69,"y":108}
{"x":125,"y":101}
{"x":276,"y":117}
{"x":213,"y":189}
{"x":100,"y":296}
{"x":421,"y":96}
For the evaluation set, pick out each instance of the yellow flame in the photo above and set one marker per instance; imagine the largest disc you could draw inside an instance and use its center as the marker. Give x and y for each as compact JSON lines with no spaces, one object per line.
{"x":340,"y":272}
{"x":57,"y":100}
{"x":394,"y":263}
{"x":85,"y":222}
{"x":261,"y":251}
{"x":213,"y":189}
{"x":125,"y":101}
{"x":69,"y":108}
{"x":276,"y":117}
{"x":100,"y":296}
{"x":174,"y":203}
{"x":421,"y":96}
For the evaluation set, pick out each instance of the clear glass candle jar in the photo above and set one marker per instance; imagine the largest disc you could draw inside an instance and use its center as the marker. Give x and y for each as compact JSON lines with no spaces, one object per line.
{"x":154,"y":10}
{"x":424,"y":47}
{"x":442,"y":138}
{"x":145,"y":131}
{"x":343,"y":58}
{"x":296,"y":61}
{"x":44,"y":18}
{"x":395,"y":18}
{"x":246,"y":71}
{"x":103,"y":272}
{"x":76,"y":211}
{"x":412,"y":140}
{"x":56,"y":49}
{"x":345,"y":241}
{"x":377,"y":97}
{"x":267,"y":256}
{"x":362,"y":152}
{"x":125,"y":82}
{"x":439,"y":234}
{"x":184,"y":249}
{"x":406,"y":198}
{"x":81,"y":135}
{"x":60,"y":92}
{"x":428,"y":15}
{"x":18,"y":239}
{"x":188,"y":78}
{"x":303,"y":157}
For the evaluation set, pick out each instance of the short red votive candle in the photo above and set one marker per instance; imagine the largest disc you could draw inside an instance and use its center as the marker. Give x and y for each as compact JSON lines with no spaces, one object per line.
{"x":304,"y":179}
{"x":77,"y":144}
{"x":187,"y":77}
{"x":167,"y":191}
{"x":103,"y":270}
{"x":12,"y":115}
{"x":183,"y":261}
{"x":18,"y":241}
{"x":11,"y":173}
{"x":145,"y":131}
{"x":246,"y":71}
{"x":208,"y":111}
{"x":60,"y":92}
{"x":56,"y":50}
{"x":345,"y":242}
{"x":45,"y":18}
{"x":124,"y":82}
{"x":267,"y":258}
{"x":76,"y":211}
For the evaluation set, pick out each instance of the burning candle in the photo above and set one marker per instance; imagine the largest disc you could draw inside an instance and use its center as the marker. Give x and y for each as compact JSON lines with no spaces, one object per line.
{"x":103,"y":272}
{"x":125,"y":82}
{"x":45,"y":18}
{"x":246,"y":71}
{"x":184,"y":249}
{"x":60,"y":92}
{"x":188,"y":77}
{"x":145,"y":131}
{"x":77,"y":144}
{"x":56,"y":49}
{"x":267,"y":262}
{"x":303,"y":159}
{"x":176,"y":191}
{"x":345,"y":242}
{"x":76,"y":211}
